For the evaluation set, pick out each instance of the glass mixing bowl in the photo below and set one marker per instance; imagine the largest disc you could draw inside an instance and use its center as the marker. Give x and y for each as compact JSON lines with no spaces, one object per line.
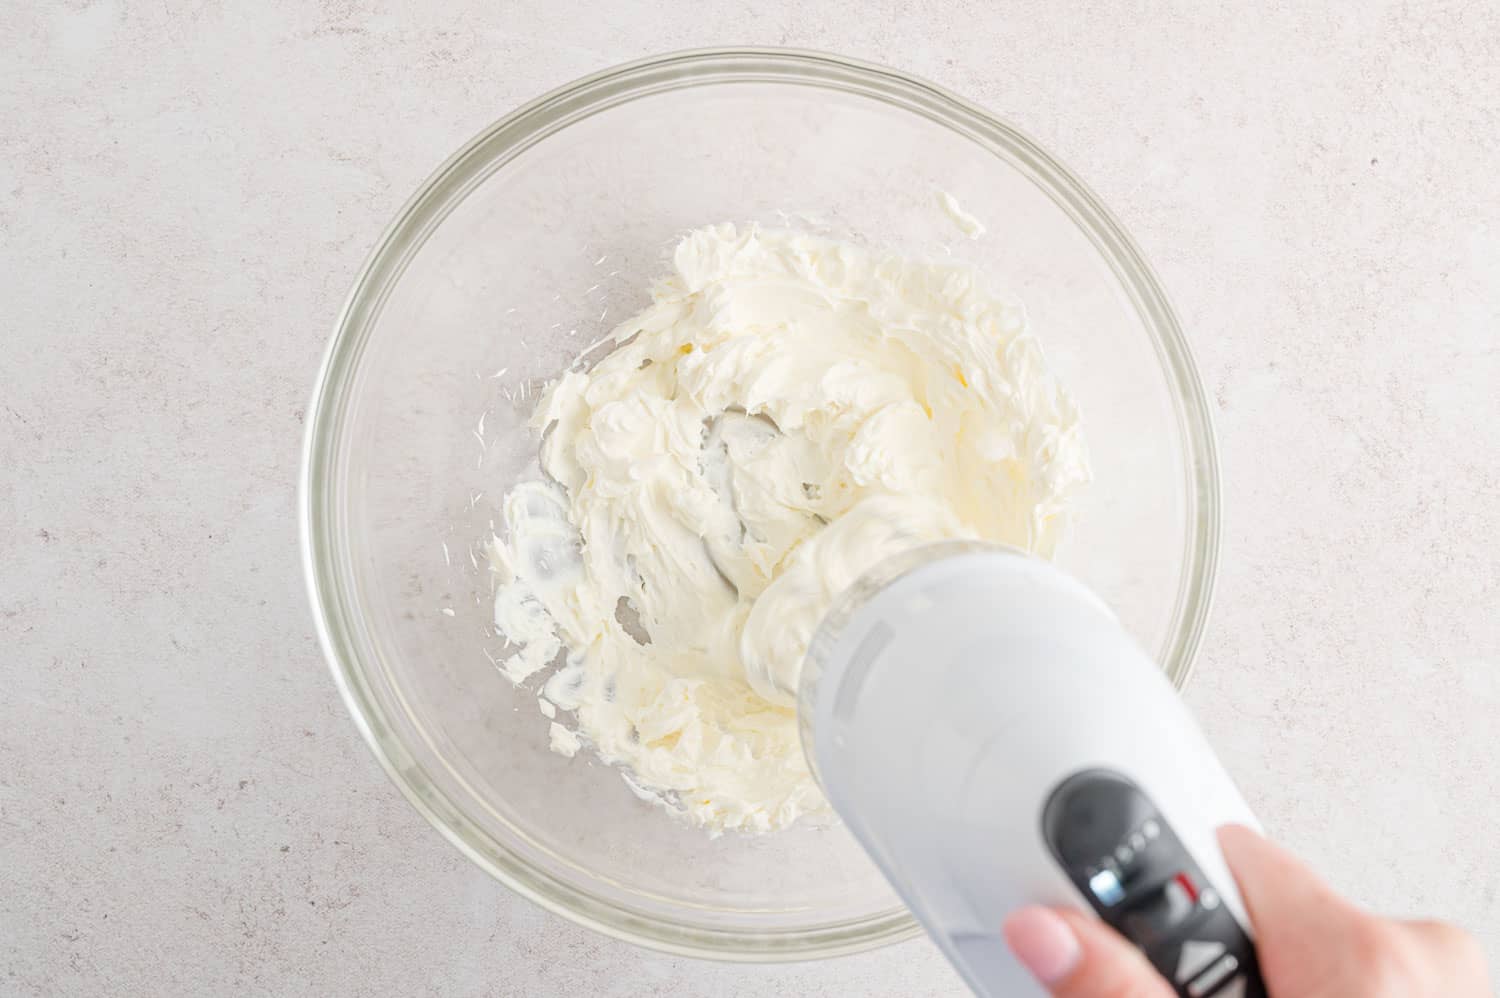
{"x":527,"y":246}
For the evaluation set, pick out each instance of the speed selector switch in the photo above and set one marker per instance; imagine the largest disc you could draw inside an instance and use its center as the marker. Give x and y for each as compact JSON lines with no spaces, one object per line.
{"x":1119,"y":851}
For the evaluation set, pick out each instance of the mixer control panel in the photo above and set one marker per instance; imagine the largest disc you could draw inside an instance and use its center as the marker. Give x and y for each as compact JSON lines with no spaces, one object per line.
{"x":1118,"y":849}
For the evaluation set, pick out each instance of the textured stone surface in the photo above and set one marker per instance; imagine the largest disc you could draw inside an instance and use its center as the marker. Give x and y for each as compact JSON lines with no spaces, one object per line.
{"x":186,"y":191}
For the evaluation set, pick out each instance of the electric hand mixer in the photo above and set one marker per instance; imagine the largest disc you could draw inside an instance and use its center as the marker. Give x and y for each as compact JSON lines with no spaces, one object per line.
{"x":994,"y":738}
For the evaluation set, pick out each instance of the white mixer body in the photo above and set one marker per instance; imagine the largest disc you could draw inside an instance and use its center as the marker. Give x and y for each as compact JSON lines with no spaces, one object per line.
{"x":994,"y":738}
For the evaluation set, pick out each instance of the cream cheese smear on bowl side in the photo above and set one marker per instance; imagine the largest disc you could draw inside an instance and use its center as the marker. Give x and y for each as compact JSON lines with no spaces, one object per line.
{"x":790,"y":411}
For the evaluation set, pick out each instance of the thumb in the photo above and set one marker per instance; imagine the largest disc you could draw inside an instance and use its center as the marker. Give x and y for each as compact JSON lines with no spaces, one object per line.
{"x":1075,"y":955}
{"x":1282,"y":894}
{"x":1311,"y":941}
{"x":1305,"y":934}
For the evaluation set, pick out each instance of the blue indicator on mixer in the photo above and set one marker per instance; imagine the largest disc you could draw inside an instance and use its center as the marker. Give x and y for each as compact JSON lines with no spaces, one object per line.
{"x":1107,"y":887}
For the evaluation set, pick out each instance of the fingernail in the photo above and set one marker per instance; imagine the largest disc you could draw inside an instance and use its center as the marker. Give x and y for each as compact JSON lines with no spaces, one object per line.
{"x":1042,"y":941}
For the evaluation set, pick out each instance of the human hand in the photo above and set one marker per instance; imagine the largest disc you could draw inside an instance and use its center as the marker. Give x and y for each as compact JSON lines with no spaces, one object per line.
{"x":1310,"y":942}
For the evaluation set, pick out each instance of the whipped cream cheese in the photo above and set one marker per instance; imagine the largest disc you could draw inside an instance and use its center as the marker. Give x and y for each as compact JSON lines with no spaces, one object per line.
{"x":788,"y":412}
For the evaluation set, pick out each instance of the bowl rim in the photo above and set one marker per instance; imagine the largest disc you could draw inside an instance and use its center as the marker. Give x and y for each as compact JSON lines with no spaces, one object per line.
{"x":320,"y":525}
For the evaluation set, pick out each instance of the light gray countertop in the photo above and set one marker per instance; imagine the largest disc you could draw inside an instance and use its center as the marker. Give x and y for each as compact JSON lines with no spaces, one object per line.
{"x":186,"y":192}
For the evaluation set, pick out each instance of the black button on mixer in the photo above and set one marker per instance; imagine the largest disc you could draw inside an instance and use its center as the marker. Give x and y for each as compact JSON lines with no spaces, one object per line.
{"x":1207,"y":956}
{"x":1121,"y":853}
